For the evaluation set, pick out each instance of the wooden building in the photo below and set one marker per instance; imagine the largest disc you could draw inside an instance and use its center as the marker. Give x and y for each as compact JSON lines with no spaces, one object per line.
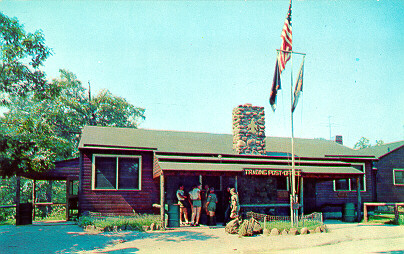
{"x":124,"y":170}
{"x":390,"y":171}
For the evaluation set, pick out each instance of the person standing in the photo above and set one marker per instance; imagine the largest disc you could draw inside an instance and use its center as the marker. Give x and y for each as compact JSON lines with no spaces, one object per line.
{"x":234,"y":204}
{"x":204,"y":197}
{"x":181,"y":202}
{"x":226,"y":199}
{"x":195,"y":196}
{"x":211,"y":202}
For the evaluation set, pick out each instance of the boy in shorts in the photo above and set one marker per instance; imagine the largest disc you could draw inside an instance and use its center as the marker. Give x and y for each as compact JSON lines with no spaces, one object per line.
{"x":181,"y":201}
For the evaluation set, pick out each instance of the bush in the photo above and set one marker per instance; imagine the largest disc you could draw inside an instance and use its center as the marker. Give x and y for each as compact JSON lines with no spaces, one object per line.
{"x":6,"y":215}
{"x":57,"y":213}
{"x":281,"y":225}
{"x":121,"y":222}
{"x":401,"y":219}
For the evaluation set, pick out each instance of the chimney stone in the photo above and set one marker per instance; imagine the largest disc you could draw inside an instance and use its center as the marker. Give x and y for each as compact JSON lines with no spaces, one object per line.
{"x":249,"y":129}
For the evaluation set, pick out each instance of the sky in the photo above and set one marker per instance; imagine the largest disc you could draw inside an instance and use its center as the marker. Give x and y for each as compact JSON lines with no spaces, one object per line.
{"x":189,"y":63}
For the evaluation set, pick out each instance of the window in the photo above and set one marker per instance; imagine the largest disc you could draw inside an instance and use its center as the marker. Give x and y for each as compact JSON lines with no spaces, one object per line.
{"x":348,"y":184}
{"x":342,"y":185}
{"x":112,"y":172}
{"x":398,"y":175}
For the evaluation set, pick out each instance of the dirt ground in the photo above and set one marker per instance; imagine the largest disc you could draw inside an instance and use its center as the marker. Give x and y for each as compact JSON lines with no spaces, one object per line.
{"x":66,"y":237}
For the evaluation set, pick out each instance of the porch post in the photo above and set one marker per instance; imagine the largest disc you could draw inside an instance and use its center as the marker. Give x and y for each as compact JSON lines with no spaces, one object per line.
{"x":301,"y":196}
{"x":358,"y":191}
{"x":33,"y":198}
{"x":67,"y":198}
{"x":162,"y":201}
{"x":17,"y":201}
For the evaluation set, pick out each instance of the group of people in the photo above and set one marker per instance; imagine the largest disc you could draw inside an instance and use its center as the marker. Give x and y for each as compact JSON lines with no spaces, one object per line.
{"x":207,"y":200}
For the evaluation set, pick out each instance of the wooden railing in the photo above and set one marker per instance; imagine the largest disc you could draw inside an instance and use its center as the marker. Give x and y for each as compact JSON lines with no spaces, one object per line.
{"x":396,"y":205}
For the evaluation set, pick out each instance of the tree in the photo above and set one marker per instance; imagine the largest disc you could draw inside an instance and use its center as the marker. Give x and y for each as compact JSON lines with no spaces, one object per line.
{"x":365,"y":143}
{"x":379,"y":142}
{"x":21,"y":56}
{"x":33,"y":134}
{"x":362,"y":143}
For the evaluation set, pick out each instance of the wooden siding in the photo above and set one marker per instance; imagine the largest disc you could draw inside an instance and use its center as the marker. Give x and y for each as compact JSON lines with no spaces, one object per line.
{"x":68,"y":168}
{"x":119,"y":202}
{"x":329,"y":200}
{"x":386,"y":190}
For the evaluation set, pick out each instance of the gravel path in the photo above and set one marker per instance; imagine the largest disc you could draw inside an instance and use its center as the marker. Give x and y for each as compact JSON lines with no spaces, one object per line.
{"x":66,"y":237}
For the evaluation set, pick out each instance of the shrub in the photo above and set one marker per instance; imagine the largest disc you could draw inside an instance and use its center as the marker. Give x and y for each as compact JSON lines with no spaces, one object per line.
{"x":281,"y":225}
{"x":57,"y":213}
{"x":120,"y":222}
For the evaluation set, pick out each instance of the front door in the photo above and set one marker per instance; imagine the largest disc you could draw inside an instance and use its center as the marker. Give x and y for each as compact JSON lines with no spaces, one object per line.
{"x":309,"y":195}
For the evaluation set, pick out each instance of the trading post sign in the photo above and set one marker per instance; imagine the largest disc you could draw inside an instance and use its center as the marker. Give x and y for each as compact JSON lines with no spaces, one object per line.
{"x":269,"y":172}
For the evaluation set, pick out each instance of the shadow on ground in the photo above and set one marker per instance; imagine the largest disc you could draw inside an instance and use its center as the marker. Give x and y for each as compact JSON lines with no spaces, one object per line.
{"x":66,"y":237}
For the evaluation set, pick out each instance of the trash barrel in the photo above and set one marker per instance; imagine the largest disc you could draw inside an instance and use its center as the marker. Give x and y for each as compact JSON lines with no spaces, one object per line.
{"x":349,"y":212}
{"x":173,"y":215}
{"x":24,"y":215}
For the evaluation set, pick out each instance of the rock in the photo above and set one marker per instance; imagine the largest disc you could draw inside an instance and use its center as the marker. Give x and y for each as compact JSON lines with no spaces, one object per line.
{"x":312,"y":231}
{"x":257,"y":228}
{"x":243,"y":229}
{"x":293,"y":231}
{"x":324,"y":228}
{"x":146,"y":228}
{"x":232,"y":226}
{"x":251,"y":141}
{"x":284,"y":232}
{"x":274,"y":231}
{"x":89,"y":227}
{"x":304,"y":231}
{"x":265,"y":231}
{"x":317,"y":230}
{"x":241,"y":143}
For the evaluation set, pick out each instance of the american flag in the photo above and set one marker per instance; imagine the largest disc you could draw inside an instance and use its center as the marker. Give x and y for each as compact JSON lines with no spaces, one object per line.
{"x":286,"y":40}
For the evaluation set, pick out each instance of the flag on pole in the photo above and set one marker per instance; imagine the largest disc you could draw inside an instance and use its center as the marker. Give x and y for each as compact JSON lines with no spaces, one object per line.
{"x":298,"y":87}
{"x":286,"y":40}
{"x":276,"y":85}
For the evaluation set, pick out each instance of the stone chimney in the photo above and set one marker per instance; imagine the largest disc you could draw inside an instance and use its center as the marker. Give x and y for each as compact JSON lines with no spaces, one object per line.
{"x":338,"y":139}
{"x":249,"y":129}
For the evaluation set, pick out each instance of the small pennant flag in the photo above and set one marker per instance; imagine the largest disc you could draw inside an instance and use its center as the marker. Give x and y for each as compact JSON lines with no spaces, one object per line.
{"x":276,"y":85}
{"x":286,"y":40}
{"x":298,"y":87}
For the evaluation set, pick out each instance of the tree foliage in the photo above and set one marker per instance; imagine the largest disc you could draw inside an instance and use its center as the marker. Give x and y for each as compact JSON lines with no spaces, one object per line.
{"x":33,"y":134}
{"x":362,"y":143}
{"x":365,"y":143}
{"x":21,"y":55}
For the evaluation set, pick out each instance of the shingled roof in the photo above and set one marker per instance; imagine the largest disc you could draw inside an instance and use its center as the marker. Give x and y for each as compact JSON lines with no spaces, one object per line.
{"x":199,"y":142}
{"x":381,"y":150}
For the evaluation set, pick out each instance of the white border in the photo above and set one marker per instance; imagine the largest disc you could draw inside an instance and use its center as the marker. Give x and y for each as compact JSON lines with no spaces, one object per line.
{"x":117,"y":173}
{"x":394,"y":176}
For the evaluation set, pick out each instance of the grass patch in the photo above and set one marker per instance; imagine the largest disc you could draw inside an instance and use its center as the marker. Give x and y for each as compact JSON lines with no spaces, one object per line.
{"x":385,"y":218}
{"x":7,"y":222}
{"x":281,"y":225}
{"x":57,"y":213}
{"x":135,"y":222}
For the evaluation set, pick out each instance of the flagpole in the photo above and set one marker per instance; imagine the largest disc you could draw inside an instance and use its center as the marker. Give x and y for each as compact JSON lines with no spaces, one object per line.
{"x":294,"y":217}
{"x":293,"y":214}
